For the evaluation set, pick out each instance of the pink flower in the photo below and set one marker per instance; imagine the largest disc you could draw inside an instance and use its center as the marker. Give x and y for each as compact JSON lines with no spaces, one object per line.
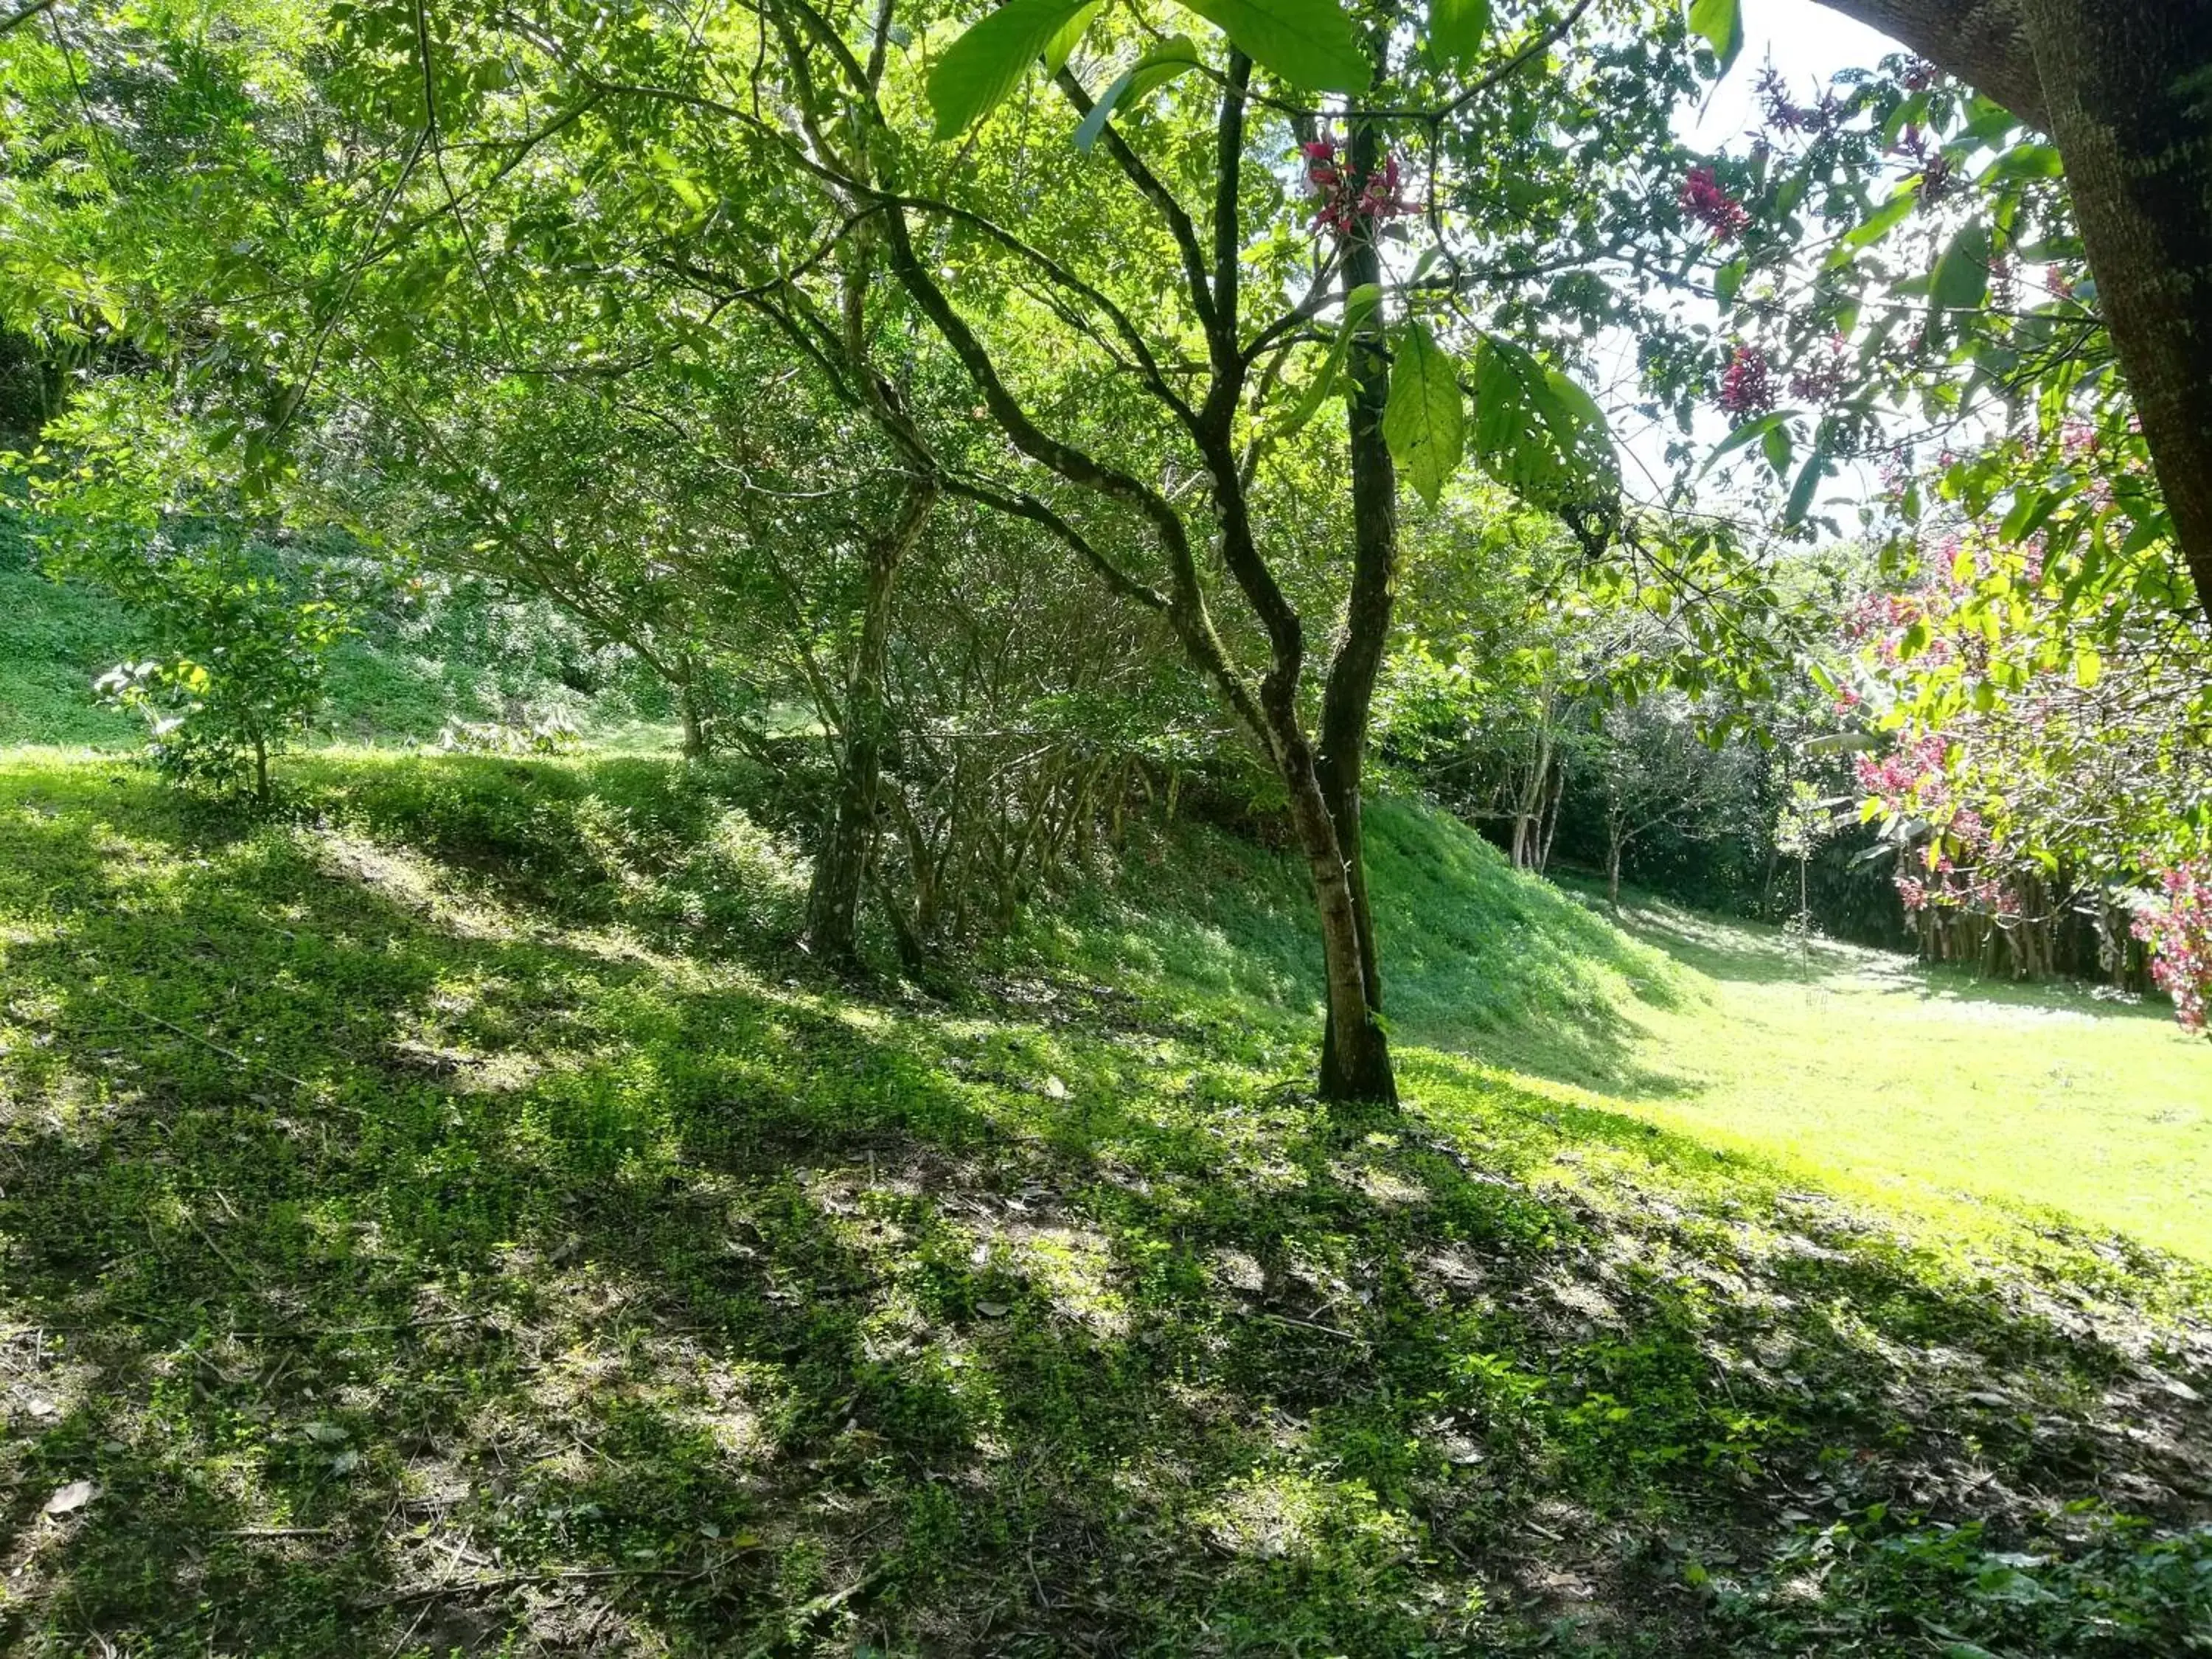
{"x":1704,"y":200}
{"x":1342,"y":208}
{"x":1823,"y":381}
{"x":2178,"y":927}
{"x":1747,"y":383}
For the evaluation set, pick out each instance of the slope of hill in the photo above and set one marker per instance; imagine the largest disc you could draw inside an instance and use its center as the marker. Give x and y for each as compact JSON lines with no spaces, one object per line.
{"x":398,"y":678}
{"x":444,"y":1219}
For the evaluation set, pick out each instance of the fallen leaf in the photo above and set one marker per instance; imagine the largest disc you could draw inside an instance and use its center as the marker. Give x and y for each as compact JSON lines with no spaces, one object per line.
{"x":67,"y":1500}
{"x":991,"y":1309}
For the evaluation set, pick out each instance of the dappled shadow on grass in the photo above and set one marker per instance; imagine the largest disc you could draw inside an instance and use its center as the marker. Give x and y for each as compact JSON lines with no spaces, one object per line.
{"x":491,"y":1281}
{"x":1477,"y":957}
{"x":1761,"y":953}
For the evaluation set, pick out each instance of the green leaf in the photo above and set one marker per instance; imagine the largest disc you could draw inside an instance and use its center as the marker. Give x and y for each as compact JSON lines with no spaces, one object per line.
{"x":1809,"y":480}
{"x":2088,"y":667}
{"x":1155,"y":69}
{"x":1456,"y":30}
{"x":2023,"y":161}
{"x":1778,"y":449}
{"x":1750,"y":432}
{"x":1876,"y":225}
{"x":1424,"y":422}
{"x":1359,"y":305}
{"x":1721,"y":22}
{"x":1538,"y":433}
{"x":1308,"y":42}
{"x":1961,"y":278}
{"x":986,"y":62}
{"x":1061,"y":44}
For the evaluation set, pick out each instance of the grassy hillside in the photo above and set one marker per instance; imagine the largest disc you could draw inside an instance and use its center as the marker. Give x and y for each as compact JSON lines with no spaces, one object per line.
{"x":445,"y":1221}
{"x":54,"y":642}
{"x":401,"y":678}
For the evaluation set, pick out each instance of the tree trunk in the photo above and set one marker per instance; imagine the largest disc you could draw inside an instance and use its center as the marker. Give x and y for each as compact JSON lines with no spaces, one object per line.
{"x":2130,"y":92}
{"x":1612,"y":871}
{"x":694,"y":726}
{"x":1550,"y":824}
{"x":2122,"y":88}
{"x":846,"y":848}
{"x":1355,"y":1054}
{"x":1355,"y":1065}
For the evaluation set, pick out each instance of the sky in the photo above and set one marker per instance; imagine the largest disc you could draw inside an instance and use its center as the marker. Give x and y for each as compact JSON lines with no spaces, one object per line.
{"x":1807,"y":44}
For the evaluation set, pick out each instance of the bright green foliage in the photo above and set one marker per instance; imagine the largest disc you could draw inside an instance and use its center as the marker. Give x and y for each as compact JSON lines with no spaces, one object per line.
{"x":1536,"y":432}
{"x":1961,"y":278}
{"x":1155,"y":69}
{"x":986,"y":62}
{"x":1457,"y":30}
{"x":1721,"y":23}
{"x":241,"y":669}
{"x":234,"y":648}
{"x":1425,"y":421}
{"x":1308,"y":42}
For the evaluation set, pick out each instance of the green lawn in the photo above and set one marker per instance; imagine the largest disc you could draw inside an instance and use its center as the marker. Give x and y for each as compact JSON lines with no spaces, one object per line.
{"x":443,"y":1219}
{"x":1919,"y":1086}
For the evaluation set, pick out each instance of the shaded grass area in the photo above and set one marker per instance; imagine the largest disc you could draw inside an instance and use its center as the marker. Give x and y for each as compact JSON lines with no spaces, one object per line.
{"x":1478,"y":956}
{"x":446,"y":1221}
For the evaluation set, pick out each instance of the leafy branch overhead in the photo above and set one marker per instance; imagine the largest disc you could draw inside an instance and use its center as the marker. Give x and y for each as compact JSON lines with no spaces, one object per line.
{"x":1308,"y":43}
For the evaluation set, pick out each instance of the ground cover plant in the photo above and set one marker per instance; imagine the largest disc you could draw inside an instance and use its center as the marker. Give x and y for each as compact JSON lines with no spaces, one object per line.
{"x":433,"y":1223}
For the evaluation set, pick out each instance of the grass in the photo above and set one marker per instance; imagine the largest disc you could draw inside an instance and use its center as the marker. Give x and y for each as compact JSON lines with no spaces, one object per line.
{"x":444,"y":1220}
{"x":1916,"y":1086}
{"x":54,"y":642}
{"x":399,"y":679}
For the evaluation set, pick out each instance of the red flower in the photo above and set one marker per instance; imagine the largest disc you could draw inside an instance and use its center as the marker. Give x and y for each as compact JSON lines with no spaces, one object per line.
{"x":1342,"y":207}
{"x":1704,"y":200}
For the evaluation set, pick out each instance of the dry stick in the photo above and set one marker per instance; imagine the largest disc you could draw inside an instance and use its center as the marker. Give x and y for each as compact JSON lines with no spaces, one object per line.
{"x":819,"y":1605}
{"x":516,"y":1580}
{"x":244,"y":1278}
{"x":231,"y":1055}
{"x":1310,"y":1325}
{"x":279,"y":1532}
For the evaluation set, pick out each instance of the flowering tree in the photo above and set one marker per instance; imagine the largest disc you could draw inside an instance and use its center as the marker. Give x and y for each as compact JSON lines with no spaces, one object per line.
{"x":2048,"y":758}
{"x":2119,"y":90}
{"x":2177,"y":923}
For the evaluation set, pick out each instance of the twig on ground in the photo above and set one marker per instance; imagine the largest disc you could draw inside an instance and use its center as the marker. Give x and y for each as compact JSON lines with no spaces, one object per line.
{"x":504,"y":1581}
{"x":1310,"y":1325}
{"x":279,"y":1532}
{"x":231,"y":1055}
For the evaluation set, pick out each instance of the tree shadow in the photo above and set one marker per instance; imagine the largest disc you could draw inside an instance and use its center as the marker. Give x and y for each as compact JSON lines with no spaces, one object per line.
{"x":416,"y":1267}
{"x":1760,"y":953}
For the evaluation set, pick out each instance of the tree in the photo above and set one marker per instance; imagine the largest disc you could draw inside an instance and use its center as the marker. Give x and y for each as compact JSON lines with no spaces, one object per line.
{"x":2122,"y":90}
{"x":1213,"y":351}
{"x":234,"y":640}
{"x":1655,"y":771}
